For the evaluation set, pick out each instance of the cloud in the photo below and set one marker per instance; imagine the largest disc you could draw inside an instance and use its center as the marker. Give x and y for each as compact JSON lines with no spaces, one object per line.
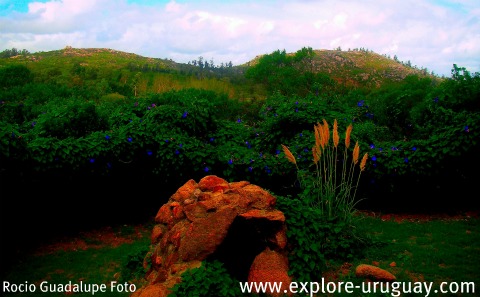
{"x":431,"y":34}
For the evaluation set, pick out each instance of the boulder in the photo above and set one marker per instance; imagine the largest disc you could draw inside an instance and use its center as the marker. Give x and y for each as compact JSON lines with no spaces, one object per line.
{"x":374,"y":273}
{"x":235,"y":223}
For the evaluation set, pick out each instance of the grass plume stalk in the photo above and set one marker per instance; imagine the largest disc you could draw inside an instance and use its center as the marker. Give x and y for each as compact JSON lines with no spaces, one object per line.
{"x":327,"y":187}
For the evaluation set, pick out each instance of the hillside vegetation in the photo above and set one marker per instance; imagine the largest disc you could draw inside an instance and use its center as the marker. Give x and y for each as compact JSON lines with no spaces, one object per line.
{"x":110,"y":71}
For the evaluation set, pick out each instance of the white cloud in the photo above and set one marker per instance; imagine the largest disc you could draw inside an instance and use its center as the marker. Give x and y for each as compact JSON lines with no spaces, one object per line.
{"x":429,"y":34}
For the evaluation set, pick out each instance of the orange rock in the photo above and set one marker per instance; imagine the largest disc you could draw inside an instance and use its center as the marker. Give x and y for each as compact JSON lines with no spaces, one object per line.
{"x":157,"y":232}
{"x":206,"y":234}
{"x":240,"y":184}
{"x":274,"y":215}
{"x":270,"y":266}
{"x":197,"y":219}
{"x":213,"y":183}
{"x":164,"y":215}
{"x":185,"y":191}
{"x":195,"y":211}
{"x":178,"y":213}
{"x":157,"y":290}
{"x":281,"y":238}
{"x":373,"y":273}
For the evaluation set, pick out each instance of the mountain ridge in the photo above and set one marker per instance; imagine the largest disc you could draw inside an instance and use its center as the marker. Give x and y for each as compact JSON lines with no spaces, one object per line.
{"x":352,"y":68}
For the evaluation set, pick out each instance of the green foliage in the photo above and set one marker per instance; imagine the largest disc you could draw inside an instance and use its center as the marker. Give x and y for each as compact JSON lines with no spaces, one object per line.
{"x":314,"y":240}
{"x":15,"y":75}
{"x":68,"y":118}
{"x":285,"y":118}
{"x":210,"y":279}
{"x":287,"y":74}
{"x":98,"y":128}
{"x":135,"y":264}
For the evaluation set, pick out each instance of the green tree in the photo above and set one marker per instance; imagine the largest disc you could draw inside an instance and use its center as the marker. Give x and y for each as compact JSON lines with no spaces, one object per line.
{"x":285,"y":73}
{"x":15,"y":75}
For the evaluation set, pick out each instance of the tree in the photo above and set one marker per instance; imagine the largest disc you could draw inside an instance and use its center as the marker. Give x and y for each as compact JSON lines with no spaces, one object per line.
{"x":15,"y":75}
{"x":287,"y":74}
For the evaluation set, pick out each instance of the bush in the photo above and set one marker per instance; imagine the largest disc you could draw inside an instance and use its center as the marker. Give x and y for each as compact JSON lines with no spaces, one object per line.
{"x":314,"y":240}
{"x":135,"y":266}
{"x":211,"y":279}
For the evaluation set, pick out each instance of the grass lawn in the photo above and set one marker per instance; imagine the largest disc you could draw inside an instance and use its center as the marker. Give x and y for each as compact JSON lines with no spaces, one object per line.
{"x":414,"y":249}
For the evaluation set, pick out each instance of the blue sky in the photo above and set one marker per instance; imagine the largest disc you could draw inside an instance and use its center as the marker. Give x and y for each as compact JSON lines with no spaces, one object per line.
{"x":431,"y":34}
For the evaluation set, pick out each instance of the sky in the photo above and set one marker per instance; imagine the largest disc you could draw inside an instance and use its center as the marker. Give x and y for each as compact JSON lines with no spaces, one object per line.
{"x":431,"y":34}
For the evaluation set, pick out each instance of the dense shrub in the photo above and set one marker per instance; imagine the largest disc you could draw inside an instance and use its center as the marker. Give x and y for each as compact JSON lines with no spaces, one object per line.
{"x":210,"y":279}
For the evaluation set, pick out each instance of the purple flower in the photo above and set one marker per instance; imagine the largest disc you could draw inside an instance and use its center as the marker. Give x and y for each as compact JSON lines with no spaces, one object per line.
{"x":129,"y":139}
{"x":185,"y":114}
{"x":149,"y":152}
{"x":250,"y":168}
{"x":296,"y":102}
{"x":466,"y":129}
{"x":277,"y":152}
{"x":230,"y":162}
{"x":206,"y":169}
{"x":296,"y":109}
{"x":166,"y":140}
{"x":406,"y":160}
{"x":414,"y":148}
{"x":180,"y":145}
{"x":33,"y":124}
{"x":239,"y":120}
{"x":374,"y":158}
{"x":153,"y":105}
{"x":92,"y":160}
{"x":177,"y":152}
{"x":435,"y":100}
{"x":212,"y":139}
{"x":107,"y":137}
{"x":372,"y":146}
{"x":360,"y":103}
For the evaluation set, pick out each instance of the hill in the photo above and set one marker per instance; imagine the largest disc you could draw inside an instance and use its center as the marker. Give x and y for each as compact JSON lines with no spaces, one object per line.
{"x":360,"y":68}
{"x":129,"y":73}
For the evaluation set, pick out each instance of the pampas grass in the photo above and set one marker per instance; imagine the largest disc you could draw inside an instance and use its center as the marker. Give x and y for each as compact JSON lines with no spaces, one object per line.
{"x":330,"y":189}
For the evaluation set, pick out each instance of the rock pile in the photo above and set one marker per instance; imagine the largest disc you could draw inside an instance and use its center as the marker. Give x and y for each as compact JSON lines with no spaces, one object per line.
{"x":236,"y":223}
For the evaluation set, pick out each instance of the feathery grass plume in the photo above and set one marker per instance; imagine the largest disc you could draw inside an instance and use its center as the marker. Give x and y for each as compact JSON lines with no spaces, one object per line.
{"x":336,"y":138}
{"x":316,"y":154}
{"x":289,"y":155}
{"x":356,"y":153}
{"x":318,"y":138}
{"x":330,"y":189}
{"x":326,"y":132}
{"x":319,"y":130}
{"x":363,"y":163}
{"x":347,"y":135}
